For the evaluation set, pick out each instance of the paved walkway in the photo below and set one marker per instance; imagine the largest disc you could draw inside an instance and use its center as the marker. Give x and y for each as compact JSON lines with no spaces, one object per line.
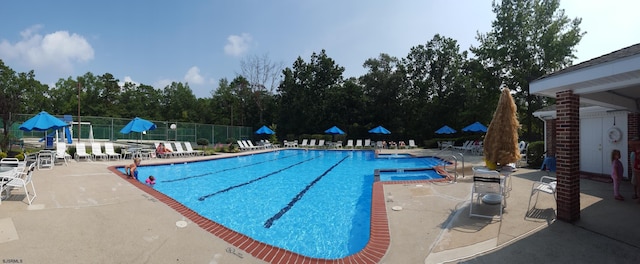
{"x":86,"y":214}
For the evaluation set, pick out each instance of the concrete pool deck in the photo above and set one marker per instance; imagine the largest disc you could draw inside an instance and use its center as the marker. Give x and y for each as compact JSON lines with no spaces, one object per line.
{"x":84,"y":213}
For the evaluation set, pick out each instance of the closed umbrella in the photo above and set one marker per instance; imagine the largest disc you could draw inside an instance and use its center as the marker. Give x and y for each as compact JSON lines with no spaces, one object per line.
{"x":446,"y":130}
{"x":501,"y":140}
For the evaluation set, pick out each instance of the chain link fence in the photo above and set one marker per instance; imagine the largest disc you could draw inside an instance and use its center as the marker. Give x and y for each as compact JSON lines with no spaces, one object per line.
{"x":108,"y":129}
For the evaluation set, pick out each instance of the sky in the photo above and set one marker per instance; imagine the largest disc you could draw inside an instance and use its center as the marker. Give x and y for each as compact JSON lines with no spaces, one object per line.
{"x":200,"y":42}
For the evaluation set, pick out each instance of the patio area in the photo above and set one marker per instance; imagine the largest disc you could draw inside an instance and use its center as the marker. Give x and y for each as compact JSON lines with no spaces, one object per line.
{"x":86,"y":214}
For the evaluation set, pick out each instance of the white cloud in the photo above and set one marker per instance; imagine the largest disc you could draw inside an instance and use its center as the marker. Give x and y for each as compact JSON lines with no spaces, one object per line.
{"x":58,"y":51}
{"x":237,"y":45}
{"x":128,"y":79}
{"x":161,"y":84}
{"x":193,"y":76}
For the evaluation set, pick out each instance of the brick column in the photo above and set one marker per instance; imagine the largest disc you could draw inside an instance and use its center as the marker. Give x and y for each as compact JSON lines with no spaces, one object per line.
{"x":550,"y":137}
{"x":568,"y":155}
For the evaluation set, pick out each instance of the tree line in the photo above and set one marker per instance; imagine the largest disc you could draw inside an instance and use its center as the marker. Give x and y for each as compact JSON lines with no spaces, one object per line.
{"x":435,"y":84}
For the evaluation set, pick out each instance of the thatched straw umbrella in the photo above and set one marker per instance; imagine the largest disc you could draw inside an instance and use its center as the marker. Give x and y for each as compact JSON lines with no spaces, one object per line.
{"x":501,"y":140}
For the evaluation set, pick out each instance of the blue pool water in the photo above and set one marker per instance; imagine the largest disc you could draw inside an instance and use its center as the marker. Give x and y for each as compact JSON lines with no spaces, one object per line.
{"x":315,"y":203}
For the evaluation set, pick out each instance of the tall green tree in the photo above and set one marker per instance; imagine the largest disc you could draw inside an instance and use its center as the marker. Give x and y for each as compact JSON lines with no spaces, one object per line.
{"x":385,"y":87}
{"x":19,"y":93}
{"x":437,"y":81}
{"x":529,"y":38}
{"x":179,"y":102}
{"x":304,"y":92}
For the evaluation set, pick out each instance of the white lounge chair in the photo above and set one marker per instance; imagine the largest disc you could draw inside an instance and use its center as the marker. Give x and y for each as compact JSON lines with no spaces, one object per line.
{"x":187,"y":144}
{"x":359,"y":143}
{"x":321,"y":143}
{"x":250,"y":143}
{"x":412,"y":144}
{"x":61,"y":153}
{"x":367,"y":143}
{"x":180,"y":151}
{"x":242,"y":146}
{"x":312,"y":143}
{"x":304,"y":143}
{"x":171,"y":152}
{"x":81,"y":152}
{"x":96,"y":151}
{"x":349,"y":143}
{"x":110,"y":151}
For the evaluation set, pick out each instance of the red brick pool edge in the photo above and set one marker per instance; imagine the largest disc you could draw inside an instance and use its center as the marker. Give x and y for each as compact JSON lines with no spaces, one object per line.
{"x":373,"y":252}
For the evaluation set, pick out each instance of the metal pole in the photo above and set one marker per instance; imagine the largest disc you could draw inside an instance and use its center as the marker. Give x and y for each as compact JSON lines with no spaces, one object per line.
{"x":79,"y":118}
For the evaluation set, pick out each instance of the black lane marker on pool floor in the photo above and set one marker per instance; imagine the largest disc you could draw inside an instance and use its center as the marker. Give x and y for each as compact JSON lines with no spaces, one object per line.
{"x":202,"y":198}
{"x":228,"y":169}
{"x":284,"y":210}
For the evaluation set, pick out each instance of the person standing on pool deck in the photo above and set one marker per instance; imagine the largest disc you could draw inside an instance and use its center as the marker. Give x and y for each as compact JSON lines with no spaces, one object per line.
{"x":616,"y":173}
{"x":132,"y":169}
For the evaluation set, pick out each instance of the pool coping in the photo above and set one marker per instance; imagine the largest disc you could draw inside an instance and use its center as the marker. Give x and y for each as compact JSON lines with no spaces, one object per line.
{"x":373,"y":252}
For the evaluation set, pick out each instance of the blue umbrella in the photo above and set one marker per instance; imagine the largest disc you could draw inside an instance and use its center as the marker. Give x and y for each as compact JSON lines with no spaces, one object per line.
{"x":379,"y":130}
{"x":334,"y":131}
{"x":264,"y":130}
{"x":138,"y":125}
{"x":446,"y":130}
{"x":42,"y":122}
{"x":475,"y":127}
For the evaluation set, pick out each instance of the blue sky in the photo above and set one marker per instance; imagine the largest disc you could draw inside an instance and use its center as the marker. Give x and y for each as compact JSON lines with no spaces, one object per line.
{"x":200,"y":42}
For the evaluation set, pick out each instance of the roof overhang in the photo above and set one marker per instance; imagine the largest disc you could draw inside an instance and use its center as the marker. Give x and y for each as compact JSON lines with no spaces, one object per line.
{"x":612,"y":84}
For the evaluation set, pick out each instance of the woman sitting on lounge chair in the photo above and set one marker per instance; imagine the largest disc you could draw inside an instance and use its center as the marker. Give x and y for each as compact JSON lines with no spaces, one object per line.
{"x":161,"y":150}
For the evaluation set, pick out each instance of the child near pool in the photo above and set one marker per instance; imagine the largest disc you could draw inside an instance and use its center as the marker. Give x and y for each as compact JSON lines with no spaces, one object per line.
{"x":151,"y":181}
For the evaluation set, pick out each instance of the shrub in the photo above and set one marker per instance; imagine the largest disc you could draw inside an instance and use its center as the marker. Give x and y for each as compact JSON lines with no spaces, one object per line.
{"x":20,"y":156}
{"x":3,"y":155}
{"x":202,"y":142}
{"x":535,"y":153}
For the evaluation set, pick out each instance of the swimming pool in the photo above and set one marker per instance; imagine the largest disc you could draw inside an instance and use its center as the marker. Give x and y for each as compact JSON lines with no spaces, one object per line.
{"x":316,"y":203}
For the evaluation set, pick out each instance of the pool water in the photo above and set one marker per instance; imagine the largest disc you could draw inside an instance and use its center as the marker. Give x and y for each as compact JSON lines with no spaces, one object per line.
{"x":408,"y":175}
{"x":316,"y":203}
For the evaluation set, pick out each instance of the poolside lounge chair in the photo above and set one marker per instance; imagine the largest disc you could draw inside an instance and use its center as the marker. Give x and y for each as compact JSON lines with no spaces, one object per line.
{"x":321,"y":143}
{"x":96,"y":151}
{"x":349,"y":144}
{"x":180,"y":151}
{"x":312,"y":143}
{"x":242,"y":146}
{"x":304,"y":143}
{"x":338,"y":144}
{"x":367,"y":143}
{"x":81,"y":152}
{"x":21,"y":179}
{"x":172,"y":152}
{"x":412,"y":144}
{"x":359,"y":143}
{"x":251,"y":146}
{"x":110,"y":152}
{"x":61,"y":153}
{"x":187,"y":144}
{"x":487,"y":194}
